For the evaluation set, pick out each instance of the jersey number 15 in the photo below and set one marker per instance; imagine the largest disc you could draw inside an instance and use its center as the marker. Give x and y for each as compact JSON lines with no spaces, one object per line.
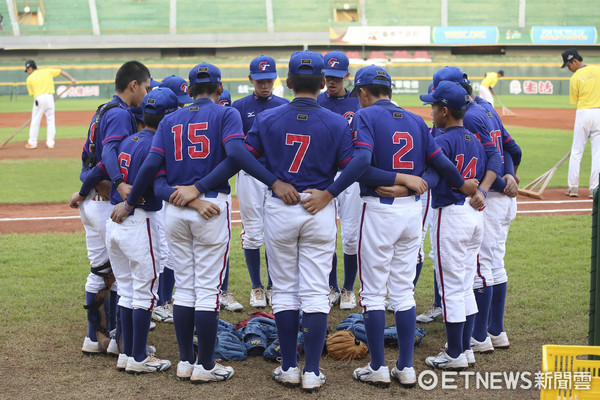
{"x":193,"y":151}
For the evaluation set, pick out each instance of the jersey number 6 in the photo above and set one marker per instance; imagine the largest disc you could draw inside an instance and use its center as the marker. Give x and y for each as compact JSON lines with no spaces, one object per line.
{"x":304,"y":140}
{"x":195,"y":139}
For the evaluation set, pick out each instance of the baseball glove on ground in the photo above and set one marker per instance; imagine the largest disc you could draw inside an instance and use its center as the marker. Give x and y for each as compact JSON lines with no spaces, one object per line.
{"x":342,"y":345}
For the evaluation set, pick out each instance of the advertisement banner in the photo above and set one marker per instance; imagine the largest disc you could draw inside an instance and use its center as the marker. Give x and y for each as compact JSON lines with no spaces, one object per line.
{"x":563,"y":34}
{"x":465,"y":34}
{"x":514,"y":35}
{"x":393,"y":35}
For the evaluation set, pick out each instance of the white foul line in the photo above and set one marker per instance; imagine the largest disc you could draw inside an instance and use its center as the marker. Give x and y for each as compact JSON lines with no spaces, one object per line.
{"x":553,"y":211}
{"x":65,"y":217}
{"x":555,"y":201}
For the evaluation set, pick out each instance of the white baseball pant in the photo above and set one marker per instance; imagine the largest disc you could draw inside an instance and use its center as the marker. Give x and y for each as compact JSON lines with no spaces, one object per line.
{"x":387,"y":252}
{"x":587,"y":126}
{"x":486,"y":94}
{"x":94,"y":213}
{"x":166,"y":258}
{"x":300,"y":247}
{"x":200,"y":249}
{"x":45,"y":106}
{"x":426,"y":215}
{"x":251,"y":194}
{"x":499,"y":211}
{"x":456,"y":234}
{"x":349,"y":207}
{"x":134,"y":250}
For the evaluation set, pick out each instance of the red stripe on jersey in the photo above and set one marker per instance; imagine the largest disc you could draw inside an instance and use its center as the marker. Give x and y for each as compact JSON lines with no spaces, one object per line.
{"x":479,"y":274}
{"x":121,"y":137}
{"x":256,"y":154}
{"x":486,"y":144}
{"x":364,"y":144}
{"x":233,"y":136}
{"x":507,"y":139}
{"x":344,"y":162}
{"x":360,"y":233}
{"x":434,"y":153}
{"x":102,"y":167}
{"x":153,"y":264}
{"x":162,"y":151}
{"x":439,"y":255}
{"x":160,"y":173}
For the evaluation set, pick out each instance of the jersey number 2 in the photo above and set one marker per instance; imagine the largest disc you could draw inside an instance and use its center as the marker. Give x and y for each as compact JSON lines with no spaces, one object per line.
{"x":304,"y":140}
{"x":194,"y":138}
{"x":408,"y":146}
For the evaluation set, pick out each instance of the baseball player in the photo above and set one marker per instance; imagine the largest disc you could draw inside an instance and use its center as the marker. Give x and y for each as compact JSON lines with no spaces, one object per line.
{"x":584,"y":89}
{"x":458,"y":225}
{"x":112,"y":123}
{"x":179,"y":86}
{"x":303,"y":144}
{"x":401,"y":145}
{"x":348,"y":204}
{"x":192,"y":143}
{"x":40,"y":85}
{"x":486,"y":87}
{"x":250,"y":192}
{"x":225,"y":98}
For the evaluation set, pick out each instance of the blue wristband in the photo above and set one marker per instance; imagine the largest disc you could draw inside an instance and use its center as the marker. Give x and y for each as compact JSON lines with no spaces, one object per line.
{"x":482,"y":191}
{"x":128,"y":210}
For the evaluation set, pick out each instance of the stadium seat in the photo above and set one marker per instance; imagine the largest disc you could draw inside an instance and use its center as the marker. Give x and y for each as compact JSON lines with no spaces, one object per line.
{"x":377,"y":57}
{"x":400,"y":56}
{"x":354,"y":57}
{"x":421,"y":55}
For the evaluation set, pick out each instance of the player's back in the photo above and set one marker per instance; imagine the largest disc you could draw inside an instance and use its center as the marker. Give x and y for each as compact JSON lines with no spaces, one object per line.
{"x":466,"y":152}
{"x":191,"y":140}
{"x":252,"y":105}
{"x":302,"y":143}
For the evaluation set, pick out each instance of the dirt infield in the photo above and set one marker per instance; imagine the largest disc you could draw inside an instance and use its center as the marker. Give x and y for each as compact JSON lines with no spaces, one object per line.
{"x":32,"y":218}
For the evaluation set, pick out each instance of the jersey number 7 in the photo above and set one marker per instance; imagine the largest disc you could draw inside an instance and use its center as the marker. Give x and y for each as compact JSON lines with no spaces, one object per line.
{"x":304,"y":140}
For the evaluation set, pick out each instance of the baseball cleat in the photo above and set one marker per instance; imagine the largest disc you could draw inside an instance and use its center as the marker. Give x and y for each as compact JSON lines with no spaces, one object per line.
{"x":433,"y":313}
{"x":290,"y":378}
{"x":444,"y":361}
{"x":122,"y":362}
{"x":184,"y":370}
{"x":258,"y":297}
{"x":229,"y":303}
{"x":113,"y":348}
{"x":572,"y":192}
{"x":406,"y":376}
{"x":269,"y":295}
{"x":312,"y":382}
{"x":90,"y":347}
{"x":334,"y":297}
{"x":379,"y":377}
{"x":152,"y":326}
{"x":50,"y":146}
{"x":30,"y":146}
{"x":500,"y":341}
{"x":470,"y":357}
{"x":162,"y":314}
{"x":484,"y":347}
{"x":216,"y":374}
{"x":148,"y":365}
{"x":347,"y":300}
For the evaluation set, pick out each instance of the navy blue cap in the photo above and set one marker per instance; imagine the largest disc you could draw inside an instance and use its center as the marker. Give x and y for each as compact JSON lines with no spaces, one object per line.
{"x":429,"y":90}
{"x":214,"y":74}
{"x":451,"y":94}
{"x":568,"y":55}
{"x":225,"y":98}
{"x":336,"y":64}
{"x":370,"y":75}
{"x":160,"y":101}
{"x":452,"y":74}
{"x":306,"y":59}
{"x":179,"y":87}
{"x":137,"y":112}
{"x":263,"y":67}
{"x":30,"y":63}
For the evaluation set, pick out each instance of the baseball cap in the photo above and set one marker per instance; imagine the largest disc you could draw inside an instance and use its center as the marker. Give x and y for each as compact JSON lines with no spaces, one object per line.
{"x":214,"y":74}
{"x":429,"y":90}
{"x":452,"y":74}
{"x":137,"y":112}
{"x":569,"y":55}
{"x":336,"y":64}
{"x":154,"y":83}
{"x":225,"y":98}
{"x":451,"y":94}
{"x":160,"y":101}
{"x":370,"y":75}
{"x":30,"y":63}
{"x":178,"y":86}
{"x":306,"y":59}
{"x":263,"y":67}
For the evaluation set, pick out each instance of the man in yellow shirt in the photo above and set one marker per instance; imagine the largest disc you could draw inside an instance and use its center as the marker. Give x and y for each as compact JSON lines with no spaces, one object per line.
{"x":486,"y":88}
{"x":40,"y":84}
{"x":584,"y":89}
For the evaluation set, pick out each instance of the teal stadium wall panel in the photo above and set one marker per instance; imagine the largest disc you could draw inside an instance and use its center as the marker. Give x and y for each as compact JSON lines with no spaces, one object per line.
{"x":133,"y":16}
{"x":221,"y":16}
{"x":403,"y":13}
{"x":70,"y":17}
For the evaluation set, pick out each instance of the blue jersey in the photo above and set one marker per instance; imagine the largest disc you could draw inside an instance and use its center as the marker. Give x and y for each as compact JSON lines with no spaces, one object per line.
{"x":191,"y":141}
{"x":344,"y":105}
{"x":505,"y":141}
{"x":399,"y":140}
{"x":483,"y":126}
{"x":115,"y":125}
{"x":252,"y":105}
{"x":467,"y":153}
{"x":133,"y":150}
{"x":303,"y":144}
